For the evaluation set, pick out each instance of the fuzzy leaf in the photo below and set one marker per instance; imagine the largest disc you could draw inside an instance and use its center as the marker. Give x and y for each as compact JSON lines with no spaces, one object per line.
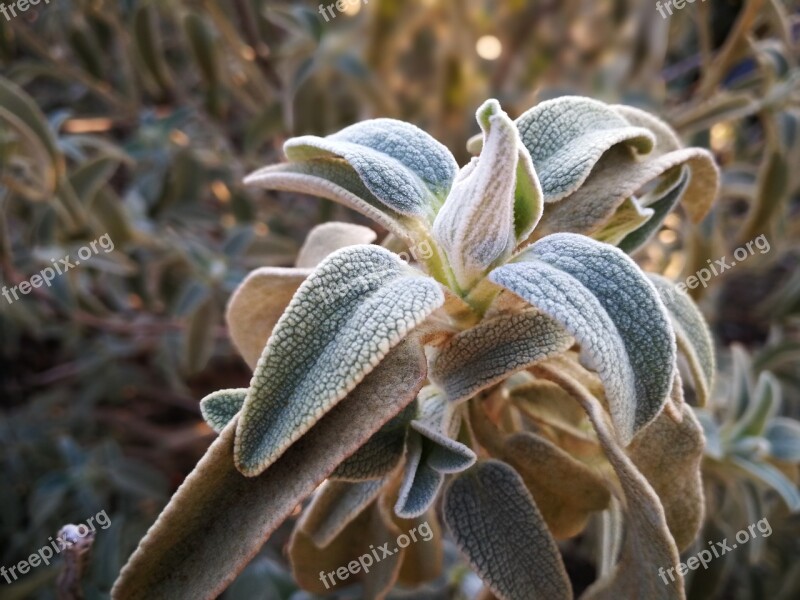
{"x":661,"y":205}
{"x":771,"y":477}
{"x":381,"y":454}
{"x":479,"y":357}
{"x":763,"y":406}
{"x":335,"y":505}
{"x":401,"y":165}
{"x":327,"y":238}
{"x":358,"y":304}
{"x":421,"y":482}
{"x":600,"y":296}
{"x":256,"y":306}
{"x":335,"y":180}
{"x":497,"y":526}
{"x":692,"y":335}
{"x":476,"y":225}
{"x":629,"y":217}
{"x":620,"y":174}
{"x":368,"y":530}
{"x":648,"y":544}
{"x":177,"y":559}
{"x":565,"y":490}
{"x":218,"y":408}
{"x":567,"y":136}
{"x":669,"y":455}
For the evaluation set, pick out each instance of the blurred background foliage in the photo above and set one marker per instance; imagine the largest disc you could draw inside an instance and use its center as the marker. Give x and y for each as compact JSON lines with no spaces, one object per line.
{"x":139,"y":119}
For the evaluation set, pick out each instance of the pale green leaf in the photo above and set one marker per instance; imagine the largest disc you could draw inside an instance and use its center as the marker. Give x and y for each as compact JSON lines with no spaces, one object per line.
{"x":771,"y":477}
{"x":783,"y":435}
{"x":479,"y":357}
{"x":179,"y":560}
{"x":602,"y":298}
{"x":476,"y":225}
{"x":219,"y":408}
{"x":401,"y":165}
{"x":335,"y":180}
{"x":327,"y":238}
{"x":629,"y":217}
{"x":256,"y":306}
{"x":567,"y":136}
{"x":661,"y":205}
{"x":358,"y":304}
{"x":421,"y":482}
{"x":497,"y":526}
{"x":692,"y":334}
{"x":764,"y":404}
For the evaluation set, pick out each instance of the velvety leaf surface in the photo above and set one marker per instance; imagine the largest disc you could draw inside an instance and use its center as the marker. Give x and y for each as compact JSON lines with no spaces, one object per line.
{"x":382,"y":452}
{"x":661,"y":205}
{"x":256,"y":306}
{"x":600,"y":296}
{"x":476,"y":225}
{"x":421,"y":482}
{"x":335,"y":505}
{"x":401,"y":165}
{"x":219,"y":408}
{"x":567,"y":136}
{"x":335,"y":180}
{"x":494,"y":349}
{"x":369,"y":529}
{"x":358,"y":304}
{"x":497,"y":526}
{"x":669,"y":455}
{"x":692,"y":335}
{"x":327,"y":238}
{"x":219,"y":519}
{"x":565,"y":490}
{"x":647,"y":543}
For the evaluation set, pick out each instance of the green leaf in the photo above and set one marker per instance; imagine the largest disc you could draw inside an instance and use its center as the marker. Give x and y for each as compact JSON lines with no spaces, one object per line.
{"x":401,"y":165}
{"x":327,"y":238}
{"x":334,"y":506}
{"x":476,"y":225}
{"x":661,"y":206}
{"x":256,"y":306}
{"x":497,"y":526}
{"x":763,"y":406}
{"x":784,"y":439}
{"x":357,"y":305}
{"x":600,"y":296}
{"x":180,"y":560}
{"x":629,"y":217}
{"x":692,"y":334}
{"x":421,"y":482}
{"x":91,"y":176}
{"x":219,"y":408}
{"x":479,"y":357}
{"x":567,"y":136}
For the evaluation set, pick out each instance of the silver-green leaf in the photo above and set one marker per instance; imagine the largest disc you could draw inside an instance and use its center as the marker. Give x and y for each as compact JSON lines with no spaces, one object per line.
{"x":497,"y":526}
{"x":219,"y":408}
{"x":603,"y":299}
{"x":343,"y":320}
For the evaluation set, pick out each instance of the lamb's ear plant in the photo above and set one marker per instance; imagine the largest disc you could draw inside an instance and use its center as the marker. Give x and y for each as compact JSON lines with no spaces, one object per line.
{"x":522,"y":368}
